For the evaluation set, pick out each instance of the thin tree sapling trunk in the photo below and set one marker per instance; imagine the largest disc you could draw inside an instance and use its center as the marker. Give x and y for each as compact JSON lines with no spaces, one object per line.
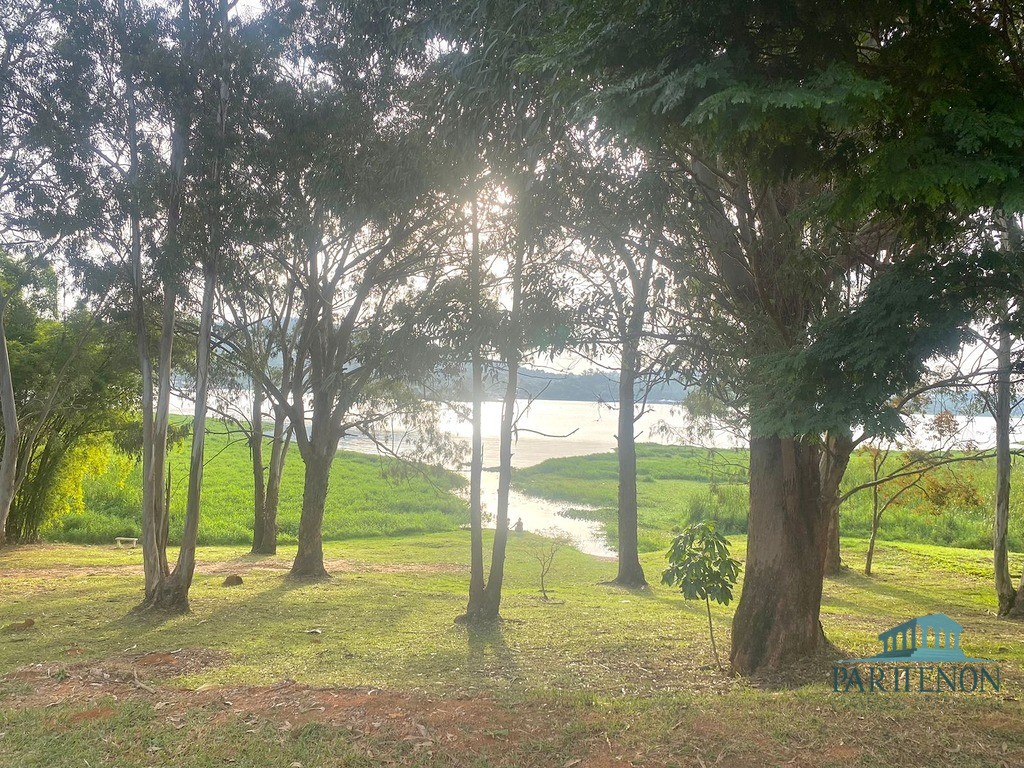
{"x":876,"y":521}
{"x":711,"y":633}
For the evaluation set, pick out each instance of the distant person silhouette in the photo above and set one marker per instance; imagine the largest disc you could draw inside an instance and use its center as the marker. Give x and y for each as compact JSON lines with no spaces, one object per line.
{"x":518,"y":527}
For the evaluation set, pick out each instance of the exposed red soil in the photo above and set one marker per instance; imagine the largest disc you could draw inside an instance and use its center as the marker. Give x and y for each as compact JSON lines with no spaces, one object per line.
{"x":454,"y":727}
{"x":476,"y":729}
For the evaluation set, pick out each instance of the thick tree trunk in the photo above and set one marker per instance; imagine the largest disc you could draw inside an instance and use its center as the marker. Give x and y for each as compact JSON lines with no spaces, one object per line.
{"x":1005,"y":592}
{"x":9,"y":460}
{"x":630,"y":573}
{"x":309,"y":560}
{"x":170,"y":595}
{"x":777,"y":619}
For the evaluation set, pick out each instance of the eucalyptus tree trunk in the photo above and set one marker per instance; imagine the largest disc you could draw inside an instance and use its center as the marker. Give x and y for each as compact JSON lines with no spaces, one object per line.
{"x":154,"y":555}
{"x":318,"y":448}
{"x":777,"y":618}
{"x":9,"y":459}
{"x":1015,"y":244}
{"x":171,"y":593}
{"x":834,"y":461}
{"x":259,"y":490}
{"x":162,"y":423}
{"x":476,"y":460}
{"x":1005,"y":592}
{"x":275,"y":470}
{"x":476,"y":465}
{"x":490,"y":605}
{"x":309,"y":560}
{"x":267,"y":476}
{"x":319,"y":445}
{"x":630,"y":572}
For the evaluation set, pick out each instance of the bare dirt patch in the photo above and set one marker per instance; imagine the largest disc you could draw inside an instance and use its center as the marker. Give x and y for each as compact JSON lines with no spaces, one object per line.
{"x":57,"y":571}
{"x":93,"y":713}
{"x":117,"y":675}
{"x":476,"y":729}
{"x":454,"y":730}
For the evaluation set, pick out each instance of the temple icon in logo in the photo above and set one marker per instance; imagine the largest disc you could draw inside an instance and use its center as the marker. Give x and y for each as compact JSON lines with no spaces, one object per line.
{"x":932,"y":638}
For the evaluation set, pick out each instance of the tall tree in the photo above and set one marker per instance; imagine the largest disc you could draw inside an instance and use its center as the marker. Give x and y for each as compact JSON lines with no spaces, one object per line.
{"x":769,"y":115}
{"x":114,"y":51}
{"x":151,"y":142}
{"x":501,"y":120}
{"x":172,"y":590}
{"x":356,"y":199}
{"x":620,"y":216}
{"x":258,"y":332}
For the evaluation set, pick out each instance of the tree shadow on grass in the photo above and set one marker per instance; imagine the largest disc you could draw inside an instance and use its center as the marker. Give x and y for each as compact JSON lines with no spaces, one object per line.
{"x":488,"y":650}
{"x":872,"y":586}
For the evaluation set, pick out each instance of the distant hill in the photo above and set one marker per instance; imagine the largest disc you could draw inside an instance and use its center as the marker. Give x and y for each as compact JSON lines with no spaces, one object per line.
{"x":548,"y":385}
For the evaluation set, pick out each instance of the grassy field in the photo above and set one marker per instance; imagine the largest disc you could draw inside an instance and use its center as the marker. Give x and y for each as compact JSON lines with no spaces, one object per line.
{"x":677,"y":485}
{"x":369,"y":669}
{"x":369,"y":496}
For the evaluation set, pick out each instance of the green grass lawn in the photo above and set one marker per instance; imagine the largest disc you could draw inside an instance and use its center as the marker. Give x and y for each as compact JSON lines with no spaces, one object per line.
{"x":677,"y":485}
{"x":370,"y":669}
{"x":369,"y":496}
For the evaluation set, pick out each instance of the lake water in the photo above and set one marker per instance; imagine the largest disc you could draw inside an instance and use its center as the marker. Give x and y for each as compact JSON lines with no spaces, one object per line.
{"x":549,"y":429}
{"x":557,"y":428}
